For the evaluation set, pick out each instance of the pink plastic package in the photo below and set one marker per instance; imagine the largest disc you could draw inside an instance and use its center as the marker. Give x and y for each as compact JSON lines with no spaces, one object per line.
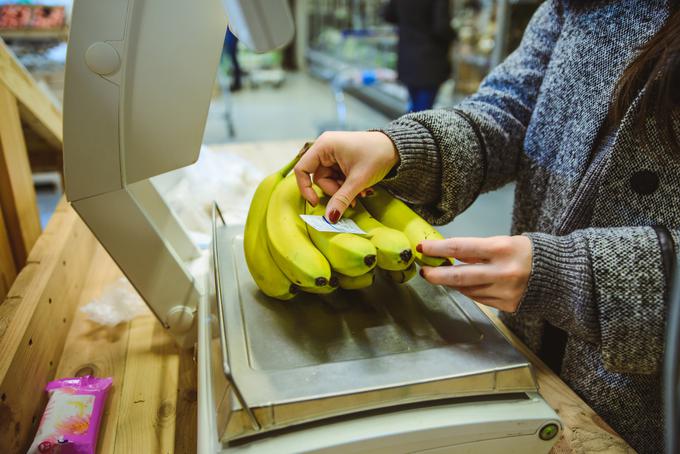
{"x":70,"y":423}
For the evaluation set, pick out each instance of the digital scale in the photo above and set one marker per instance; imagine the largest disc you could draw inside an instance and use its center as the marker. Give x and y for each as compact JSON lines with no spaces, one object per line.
{"x":393,"y":368}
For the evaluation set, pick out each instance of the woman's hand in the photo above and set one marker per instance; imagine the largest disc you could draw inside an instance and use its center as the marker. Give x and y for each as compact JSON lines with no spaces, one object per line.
{"x":344,"y":164}
{"x":495,"y":272}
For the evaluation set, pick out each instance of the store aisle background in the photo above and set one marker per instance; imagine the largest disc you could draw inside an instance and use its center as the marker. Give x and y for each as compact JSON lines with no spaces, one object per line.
{"x":302,"y":108}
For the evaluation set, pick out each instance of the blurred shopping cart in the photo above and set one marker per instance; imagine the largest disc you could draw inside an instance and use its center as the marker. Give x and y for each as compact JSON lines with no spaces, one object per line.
{"x":352,"y":77}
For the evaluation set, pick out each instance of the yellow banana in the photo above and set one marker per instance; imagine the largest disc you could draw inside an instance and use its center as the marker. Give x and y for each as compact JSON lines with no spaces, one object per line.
{"x":394,"y":248}
{"x":402,"y":276}
{"x":289,"y":243}
{"x":326,"y":289}
{"x":357,"y":282}
{"x":347,"y":253}
{"x":268,"y":277}
{"x":396,"y":214}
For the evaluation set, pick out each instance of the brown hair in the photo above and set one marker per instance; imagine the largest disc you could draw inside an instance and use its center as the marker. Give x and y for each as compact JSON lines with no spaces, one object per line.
{"x":656,"y":69}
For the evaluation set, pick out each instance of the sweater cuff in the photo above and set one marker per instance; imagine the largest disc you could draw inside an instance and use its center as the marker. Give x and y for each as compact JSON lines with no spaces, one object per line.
{"x":419,"y":162}
{"x":560,"y":285}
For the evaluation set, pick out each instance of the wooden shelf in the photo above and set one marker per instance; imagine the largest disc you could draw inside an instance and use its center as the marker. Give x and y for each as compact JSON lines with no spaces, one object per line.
{"x":35,"y":34}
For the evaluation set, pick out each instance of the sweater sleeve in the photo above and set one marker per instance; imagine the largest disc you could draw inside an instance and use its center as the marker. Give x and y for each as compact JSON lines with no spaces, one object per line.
{"x":449,"y":156}
{"x":609,"y":287}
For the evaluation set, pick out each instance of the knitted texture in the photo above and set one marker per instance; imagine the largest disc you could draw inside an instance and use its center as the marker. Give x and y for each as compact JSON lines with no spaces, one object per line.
{"x":587,"y":198}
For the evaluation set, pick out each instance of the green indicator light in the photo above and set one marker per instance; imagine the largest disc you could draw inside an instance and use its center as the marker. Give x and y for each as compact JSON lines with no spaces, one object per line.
{"x":549,"y":431}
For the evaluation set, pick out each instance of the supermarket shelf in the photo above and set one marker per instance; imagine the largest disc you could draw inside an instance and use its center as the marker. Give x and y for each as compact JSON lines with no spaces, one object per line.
{"x":33,"y":34}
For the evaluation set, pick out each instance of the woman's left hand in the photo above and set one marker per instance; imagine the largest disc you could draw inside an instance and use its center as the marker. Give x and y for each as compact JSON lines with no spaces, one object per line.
{"x":495,"y":271}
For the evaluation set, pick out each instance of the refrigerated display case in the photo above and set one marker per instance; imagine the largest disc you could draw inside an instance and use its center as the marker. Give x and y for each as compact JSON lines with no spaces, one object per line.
{"x":346,"y":35}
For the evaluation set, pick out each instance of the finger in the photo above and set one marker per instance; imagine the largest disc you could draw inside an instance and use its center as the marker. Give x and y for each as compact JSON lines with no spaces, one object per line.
{"x":328,"y":185}
{"x":459,"y":276}
{"x":324,"y":177}
{"x":469,"y":261}
{"x":308,"y":164}
{"x":478,"y":291}
{"x":342,"y":198}
{"x":465,"y":249}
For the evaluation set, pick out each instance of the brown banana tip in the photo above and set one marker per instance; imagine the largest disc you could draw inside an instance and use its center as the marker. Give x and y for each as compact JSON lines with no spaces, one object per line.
{"x":321,"y":281}
{"x":334,"y":282}
{"x":294,"y":289}
{"x":369,"y":260}
{"x":446,"y":262}
{"x":406,"y":255}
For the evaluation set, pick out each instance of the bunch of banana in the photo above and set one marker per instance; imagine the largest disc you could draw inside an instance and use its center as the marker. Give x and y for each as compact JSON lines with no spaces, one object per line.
{"x":286,"y":256}
{"x":396,"y":214}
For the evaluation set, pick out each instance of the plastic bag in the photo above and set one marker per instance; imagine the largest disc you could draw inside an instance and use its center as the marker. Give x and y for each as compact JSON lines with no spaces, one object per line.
{"x":222,"y":177}
{"x":70,"y":422}
{"x":119,"y":302}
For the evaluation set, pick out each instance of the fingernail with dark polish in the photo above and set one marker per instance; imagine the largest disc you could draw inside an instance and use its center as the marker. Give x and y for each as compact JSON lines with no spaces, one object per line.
{"x":419,"y":248}
{"x":334,"y":216}
{"x":422,"y":273}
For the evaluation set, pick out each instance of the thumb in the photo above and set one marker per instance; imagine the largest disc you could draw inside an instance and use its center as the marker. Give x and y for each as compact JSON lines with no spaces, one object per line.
{"x":342,"y":199}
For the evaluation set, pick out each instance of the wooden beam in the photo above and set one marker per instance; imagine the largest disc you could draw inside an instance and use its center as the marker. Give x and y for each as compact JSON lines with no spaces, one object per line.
{"x":41,"y":154}
{"x":34,"y":321}
{"x":8,"y":270}
{"x":37,"y":108}
{"x":17,"y":195}
{"x":147,"y":414}
{"x":97,"y":350}
{"x":186,"y":427}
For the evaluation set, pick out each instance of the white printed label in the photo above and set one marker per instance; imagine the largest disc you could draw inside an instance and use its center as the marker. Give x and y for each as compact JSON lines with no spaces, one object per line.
{"x":321,"y":224}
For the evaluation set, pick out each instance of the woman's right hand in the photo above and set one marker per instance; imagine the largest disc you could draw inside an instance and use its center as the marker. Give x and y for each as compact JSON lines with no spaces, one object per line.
{"x":343,"y":164}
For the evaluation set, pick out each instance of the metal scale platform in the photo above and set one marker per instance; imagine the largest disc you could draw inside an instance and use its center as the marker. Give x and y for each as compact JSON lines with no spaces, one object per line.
{"x":281,"y":369}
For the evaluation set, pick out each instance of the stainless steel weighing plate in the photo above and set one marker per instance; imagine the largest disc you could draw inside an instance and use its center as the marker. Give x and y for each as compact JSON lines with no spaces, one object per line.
{"x":284,"y":363}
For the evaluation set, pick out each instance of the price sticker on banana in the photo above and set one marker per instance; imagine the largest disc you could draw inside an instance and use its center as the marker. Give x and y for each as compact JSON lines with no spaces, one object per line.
{"x":322,"y":224}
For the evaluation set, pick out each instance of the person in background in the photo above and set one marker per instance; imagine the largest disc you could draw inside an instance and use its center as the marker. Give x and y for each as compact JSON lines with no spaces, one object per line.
{"x":425,"y":36}
{"x":231,"y":48}
{"x":585,"y":117}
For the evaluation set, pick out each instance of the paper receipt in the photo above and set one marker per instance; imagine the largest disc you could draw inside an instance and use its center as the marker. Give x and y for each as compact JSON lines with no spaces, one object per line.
{"x":322,"y":224}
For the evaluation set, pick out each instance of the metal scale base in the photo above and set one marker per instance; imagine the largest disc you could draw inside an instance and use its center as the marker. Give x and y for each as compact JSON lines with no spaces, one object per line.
{"x":389,"y":355}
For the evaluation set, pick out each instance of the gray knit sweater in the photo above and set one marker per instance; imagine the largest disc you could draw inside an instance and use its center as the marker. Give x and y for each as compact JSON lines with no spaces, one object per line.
{"x":603,"y":215}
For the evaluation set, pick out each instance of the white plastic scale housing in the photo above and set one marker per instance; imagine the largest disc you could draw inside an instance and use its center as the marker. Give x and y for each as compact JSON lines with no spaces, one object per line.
{"x":139,"y":79}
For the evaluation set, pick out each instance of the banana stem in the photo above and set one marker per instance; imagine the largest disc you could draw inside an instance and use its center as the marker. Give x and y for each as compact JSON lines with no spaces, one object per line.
{"x":286,"y":170}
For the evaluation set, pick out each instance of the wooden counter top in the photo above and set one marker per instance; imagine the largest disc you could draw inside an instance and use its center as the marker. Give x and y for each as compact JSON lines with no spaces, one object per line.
{"x":152,"y":406}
